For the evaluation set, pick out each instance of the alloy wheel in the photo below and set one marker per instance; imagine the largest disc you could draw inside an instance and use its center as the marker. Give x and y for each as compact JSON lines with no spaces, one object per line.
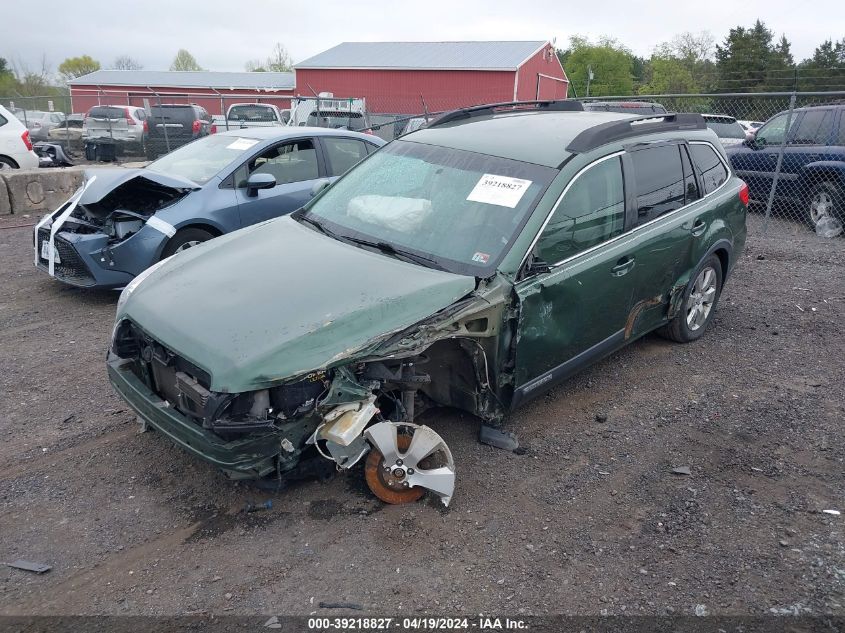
{"x":821,"y":206}
{"x":701,"y":298}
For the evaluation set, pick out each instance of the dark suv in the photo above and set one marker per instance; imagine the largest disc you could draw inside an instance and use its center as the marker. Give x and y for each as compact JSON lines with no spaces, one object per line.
{"x":474,"y":264}
{"x":813,"y":167}
{"x":173,"y":125}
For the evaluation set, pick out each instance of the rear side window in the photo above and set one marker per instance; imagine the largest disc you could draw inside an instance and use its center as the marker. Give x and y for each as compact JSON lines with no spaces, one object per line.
{"x":660,"y":181}
{"x":343,"y":153}
{"x":591,"y":212}
{"x":3,"y":120}
{"x":814,"y":128}
{"x":713,"y":170}
{"x":690,"y":188}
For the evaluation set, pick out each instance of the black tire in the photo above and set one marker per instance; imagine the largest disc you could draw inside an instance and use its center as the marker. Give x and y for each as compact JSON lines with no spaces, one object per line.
{"x":185,"y":238}
{"x":679,"y":329}
{"x":833,"y":198}
{"x":7,"y":163}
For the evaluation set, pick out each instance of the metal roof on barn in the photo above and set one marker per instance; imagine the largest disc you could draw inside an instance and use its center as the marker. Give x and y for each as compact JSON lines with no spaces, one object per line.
{"x":425,"y":55}
{"x":187,"y":79}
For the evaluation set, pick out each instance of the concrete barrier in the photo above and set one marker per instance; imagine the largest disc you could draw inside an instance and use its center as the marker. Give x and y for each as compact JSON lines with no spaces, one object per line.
{"x":5,"y":204}
{"x":38,"y":190}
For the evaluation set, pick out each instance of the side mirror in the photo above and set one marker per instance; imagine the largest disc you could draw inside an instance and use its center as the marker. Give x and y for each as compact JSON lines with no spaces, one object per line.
{"x":259,"y":181}
{"x":319,"y":186}
{"x":751,"y":143}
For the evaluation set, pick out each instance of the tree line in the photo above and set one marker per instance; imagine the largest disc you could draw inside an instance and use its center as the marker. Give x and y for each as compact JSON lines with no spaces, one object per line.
{"x":749,"y":59}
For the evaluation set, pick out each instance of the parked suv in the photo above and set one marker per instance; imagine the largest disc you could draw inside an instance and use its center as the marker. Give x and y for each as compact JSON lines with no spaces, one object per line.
{"x":474,"y":264}
{"x":173,"y":125}
{"x":727,"y":128}
{"x":812,"y":172}
{"x":126,"y":125}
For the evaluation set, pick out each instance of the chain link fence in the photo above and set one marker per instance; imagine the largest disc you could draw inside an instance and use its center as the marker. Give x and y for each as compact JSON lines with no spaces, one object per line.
{"x":788,"y":146}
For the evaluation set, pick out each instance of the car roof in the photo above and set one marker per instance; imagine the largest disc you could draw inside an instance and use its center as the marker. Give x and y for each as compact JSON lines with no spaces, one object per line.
{"x":281,"y":132}
{"x":532,"y":137}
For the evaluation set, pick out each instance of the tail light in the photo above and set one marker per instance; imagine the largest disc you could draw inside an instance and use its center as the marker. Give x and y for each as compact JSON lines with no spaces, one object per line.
{"x":196,"y":127}
{"x":129,"y":119}
{"x":214,"y":128}
{"x":743,"y":194}
{"x":26,"y":141}
{"x":146,"y":127}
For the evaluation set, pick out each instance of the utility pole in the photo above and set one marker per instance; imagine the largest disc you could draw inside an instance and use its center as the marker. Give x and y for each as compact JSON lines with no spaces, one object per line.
{"x":589,"y":78}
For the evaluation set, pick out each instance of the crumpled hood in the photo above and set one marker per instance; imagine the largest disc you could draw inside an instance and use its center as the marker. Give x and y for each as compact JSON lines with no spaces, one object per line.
{"x":107,"y":180}
{"x":278,"y":300}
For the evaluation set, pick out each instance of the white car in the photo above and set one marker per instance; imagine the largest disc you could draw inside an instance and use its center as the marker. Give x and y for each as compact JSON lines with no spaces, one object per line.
{"x":15,"y":145}
{"x":750,"y":127}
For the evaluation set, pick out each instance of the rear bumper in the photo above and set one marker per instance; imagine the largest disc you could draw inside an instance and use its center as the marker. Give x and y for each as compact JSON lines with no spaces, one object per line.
{"x":251,"y":457}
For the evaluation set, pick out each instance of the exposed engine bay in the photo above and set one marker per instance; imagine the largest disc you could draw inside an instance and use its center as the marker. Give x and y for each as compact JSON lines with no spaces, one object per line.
{"x":124,"y":210}
{"x":341,"y":415}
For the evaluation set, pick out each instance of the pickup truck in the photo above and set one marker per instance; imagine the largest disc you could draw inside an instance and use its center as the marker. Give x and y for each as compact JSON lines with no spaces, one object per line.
{"x":244,"y":115}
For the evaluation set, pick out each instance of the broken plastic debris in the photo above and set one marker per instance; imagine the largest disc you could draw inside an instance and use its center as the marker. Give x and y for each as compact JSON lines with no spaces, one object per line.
{"x":682,"y":470}
{"x":26,"y":565}
{"x":828,"y":227}
{"x":835,"y":513}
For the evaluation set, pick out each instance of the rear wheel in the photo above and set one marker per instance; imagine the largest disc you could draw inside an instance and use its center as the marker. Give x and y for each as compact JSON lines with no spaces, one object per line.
{"x":825,"y":201}
{"x":185,"y":239}
{"x":7,"y":163}
{"x":699,"y":303}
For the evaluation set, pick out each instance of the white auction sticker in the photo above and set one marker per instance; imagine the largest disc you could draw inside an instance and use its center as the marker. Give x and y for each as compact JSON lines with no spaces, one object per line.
{"x":241,"y":143}
{"x":499,"y":190}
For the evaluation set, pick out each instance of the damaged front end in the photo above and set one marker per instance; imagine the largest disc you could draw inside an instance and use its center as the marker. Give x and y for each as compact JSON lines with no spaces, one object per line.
{"x":364,"y":407}
{"x":108,"y":231}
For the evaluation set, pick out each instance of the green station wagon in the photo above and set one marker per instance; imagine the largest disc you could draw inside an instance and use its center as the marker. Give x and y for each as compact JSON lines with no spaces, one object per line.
{"x":472,"y":264}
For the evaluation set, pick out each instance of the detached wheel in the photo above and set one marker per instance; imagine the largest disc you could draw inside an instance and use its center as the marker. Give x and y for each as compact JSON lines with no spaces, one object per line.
{"x":699,"y":303}
{"x":401,"y":466}
{"x":383,"y":485}
{"x":185,"y":239}
{"x":825,"y":201}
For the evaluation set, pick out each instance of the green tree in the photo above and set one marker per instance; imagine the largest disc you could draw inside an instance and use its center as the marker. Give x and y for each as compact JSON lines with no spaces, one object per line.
{"x":74,"y":67}
{"x":750,"y":61}
{"x":608,"y":62}
{"x":7,"y":78}
{"x":184,"y":61}
{"x":825,"y":70}
{"x":667,"y":74}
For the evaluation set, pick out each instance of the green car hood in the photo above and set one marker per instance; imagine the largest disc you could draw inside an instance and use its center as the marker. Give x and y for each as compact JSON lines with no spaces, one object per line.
{"x":278,"y":300}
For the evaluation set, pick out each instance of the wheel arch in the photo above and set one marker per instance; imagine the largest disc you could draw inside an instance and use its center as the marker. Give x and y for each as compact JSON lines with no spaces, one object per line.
{"x":815,"y":173}
{"x":215,"y":230}
{"x":11,"y":160}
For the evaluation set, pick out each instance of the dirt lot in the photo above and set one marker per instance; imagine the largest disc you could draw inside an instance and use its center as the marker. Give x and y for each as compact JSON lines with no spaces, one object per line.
{"x":590,"y":519}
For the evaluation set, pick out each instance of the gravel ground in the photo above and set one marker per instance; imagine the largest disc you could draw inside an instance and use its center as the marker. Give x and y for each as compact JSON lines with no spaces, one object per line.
{"x":590,"y":519}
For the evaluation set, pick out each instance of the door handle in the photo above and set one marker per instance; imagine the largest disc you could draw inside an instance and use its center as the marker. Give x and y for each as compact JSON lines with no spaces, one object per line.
{"x":698,"y":227}
{"x":622,"y":266}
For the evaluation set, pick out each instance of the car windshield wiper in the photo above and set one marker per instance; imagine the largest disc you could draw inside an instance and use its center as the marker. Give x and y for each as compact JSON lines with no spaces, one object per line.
{"x":319,"y":226}
{"x":390,"y":249}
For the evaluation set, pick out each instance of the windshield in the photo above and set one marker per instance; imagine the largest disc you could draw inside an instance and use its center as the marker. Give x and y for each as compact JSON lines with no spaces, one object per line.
{"x":458,"y":208}
{"x":726,"y":129}
{"x":332,"y":119}
{"x":202,"y":159}
{"x":249,"y":112}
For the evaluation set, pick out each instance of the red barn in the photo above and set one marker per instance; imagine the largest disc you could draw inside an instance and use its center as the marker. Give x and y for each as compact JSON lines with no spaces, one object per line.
{"x":215,"y":91}
{"x":412,"y":77}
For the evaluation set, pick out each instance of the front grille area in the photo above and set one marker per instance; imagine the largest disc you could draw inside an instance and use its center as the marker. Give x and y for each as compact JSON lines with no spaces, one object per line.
{"x":71,"y":269}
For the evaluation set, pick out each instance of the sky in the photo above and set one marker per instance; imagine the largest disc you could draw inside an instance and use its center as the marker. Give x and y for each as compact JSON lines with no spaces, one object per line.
{"x":223,"y":35}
